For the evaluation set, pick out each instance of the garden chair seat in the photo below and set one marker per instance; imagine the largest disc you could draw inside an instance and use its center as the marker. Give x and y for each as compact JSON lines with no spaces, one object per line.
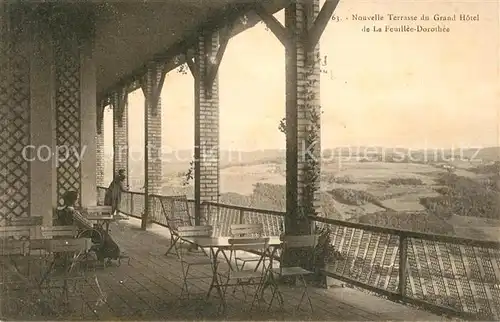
{"x":291,"y":271}
{"x":196,"y":261}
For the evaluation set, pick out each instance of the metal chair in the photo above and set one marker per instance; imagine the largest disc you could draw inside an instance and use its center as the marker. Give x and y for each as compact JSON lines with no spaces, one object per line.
{"x":247,"y":230}
{"x":188,"y":261}
{"x":15,"y":232}
{"x":176,"y":216}
{"x":97,"y":209}
{"x":14,"y":284}
{"x":306,"y":242}
{"x":25,"y":221}
{"x":68,"y":274}
{"x":244,"y":278}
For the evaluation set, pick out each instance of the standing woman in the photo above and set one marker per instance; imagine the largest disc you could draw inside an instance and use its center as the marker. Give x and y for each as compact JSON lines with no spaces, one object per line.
{"x":113,"y":195}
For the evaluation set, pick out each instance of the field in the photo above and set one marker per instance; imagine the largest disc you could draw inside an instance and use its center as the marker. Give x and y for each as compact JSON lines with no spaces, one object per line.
{"x":462,"y":201}
{"x":454,"y":198}
{"x":381,"y":193}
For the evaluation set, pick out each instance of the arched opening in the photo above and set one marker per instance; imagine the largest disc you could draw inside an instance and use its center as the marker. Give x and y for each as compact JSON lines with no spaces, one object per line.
{"x":136,"y":137}
{"x":252,"y":103}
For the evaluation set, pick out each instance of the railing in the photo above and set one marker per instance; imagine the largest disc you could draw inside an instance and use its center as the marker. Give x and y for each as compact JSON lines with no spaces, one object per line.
{"x":444,"y":274}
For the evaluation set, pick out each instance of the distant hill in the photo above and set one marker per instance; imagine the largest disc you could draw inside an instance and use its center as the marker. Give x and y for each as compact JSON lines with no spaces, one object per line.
{"x":178,"y":161}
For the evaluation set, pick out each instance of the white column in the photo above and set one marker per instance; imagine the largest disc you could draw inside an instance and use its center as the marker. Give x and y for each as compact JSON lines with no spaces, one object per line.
{"x":88,"y":130}
{"x":43,"y":121}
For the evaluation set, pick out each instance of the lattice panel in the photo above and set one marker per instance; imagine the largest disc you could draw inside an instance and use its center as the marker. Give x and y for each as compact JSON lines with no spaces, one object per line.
{"x":68,"y":118}
{"x":14,"y":134}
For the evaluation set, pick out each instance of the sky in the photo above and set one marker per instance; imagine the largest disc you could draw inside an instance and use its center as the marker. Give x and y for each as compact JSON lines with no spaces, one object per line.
{"x":418,"y":90}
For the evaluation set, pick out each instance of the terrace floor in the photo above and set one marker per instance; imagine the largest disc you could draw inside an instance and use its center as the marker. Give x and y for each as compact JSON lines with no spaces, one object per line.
{"x":148,"y":289}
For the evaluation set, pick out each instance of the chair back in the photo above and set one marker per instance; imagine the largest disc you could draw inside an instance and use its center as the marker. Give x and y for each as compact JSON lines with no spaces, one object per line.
{"x":258,"y":245}
{"x":95,"y":213}
{"x":26,"y":221}
{"x":13,"y":247}
{"x":306,"y":242}
{"x":246,"y":230}
{"x":249,"y":243}
{"x":68,"y":245}
{"x":97,"y":210}
{"x":176,"y":212}
{"x":195,"y":231}
{"x":302,"y":241}
{"x":55,"y":231}
{"x":13,"y":232}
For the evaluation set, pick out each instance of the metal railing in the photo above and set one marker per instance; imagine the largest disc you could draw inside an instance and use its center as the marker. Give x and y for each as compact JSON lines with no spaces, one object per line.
{"x":444,"y":274}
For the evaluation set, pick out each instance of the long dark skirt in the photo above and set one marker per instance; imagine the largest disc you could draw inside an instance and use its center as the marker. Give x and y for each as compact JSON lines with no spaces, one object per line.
{"x":105,"y":247}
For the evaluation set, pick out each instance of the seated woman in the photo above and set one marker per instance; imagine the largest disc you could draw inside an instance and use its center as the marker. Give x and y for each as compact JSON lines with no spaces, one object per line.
{"x":67,"y":215}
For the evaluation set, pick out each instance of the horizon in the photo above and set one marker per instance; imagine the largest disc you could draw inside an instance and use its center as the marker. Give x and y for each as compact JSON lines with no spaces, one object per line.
{"x":340,"y":147}
{"x":378,"y":90}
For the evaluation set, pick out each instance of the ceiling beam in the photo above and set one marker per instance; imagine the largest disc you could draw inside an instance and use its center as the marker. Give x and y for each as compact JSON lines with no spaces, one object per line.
{"x":314,"y":33}
{"x":213,"y":68}
{"x":230,"y":15}
{"x":192,"y":64}
{"x":274,"y":25}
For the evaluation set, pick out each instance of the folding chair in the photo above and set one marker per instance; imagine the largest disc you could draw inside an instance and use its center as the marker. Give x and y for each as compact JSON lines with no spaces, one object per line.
{"x":14,"y":243}
{"x":15,"y":232}
{"x":175,"y":217}
{"x":245,"y":277}
{"x":305,"y":242}
{"x":41,"y":234}
{"x":70,"y":249}
{"x":188,"y":261}
{"x":246,"y":230}
{"x":13,"y":284}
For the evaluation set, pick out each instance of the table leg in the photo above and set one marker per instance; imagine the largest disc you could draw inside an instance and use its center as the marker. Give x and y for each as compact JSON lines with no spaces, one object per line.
{"x":215,"y":278}
{"x":270,"y":280}
{"x":214,"y":272}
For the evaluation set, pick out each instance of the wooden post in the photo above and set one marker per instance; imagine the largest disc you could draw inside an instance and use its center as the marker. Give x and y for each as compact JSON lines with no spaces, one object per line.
{"x":403,"y":248}
{"x":153,"y":174}
{"x":242,"y":216}
{"x":206,"y":131}
{"x":291,"y":123}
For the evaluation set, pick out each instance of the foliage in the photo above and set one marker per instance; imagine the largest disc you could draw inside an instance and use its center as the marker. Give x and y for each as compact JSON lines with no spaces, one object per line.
{"x":405,"y":181}
{"x":189,"y":175}
{"x":487,"y":169}
{"x":355,"y":197}
{"x":438,"y":206}
{"x":312,"y":171}
{"x":347,"y":179}
{"x":271,"y":195}
{"x":312,"y":166}
{"x":183,"y":69}
{"x":416,"y":221}
{"x":467,"y":197}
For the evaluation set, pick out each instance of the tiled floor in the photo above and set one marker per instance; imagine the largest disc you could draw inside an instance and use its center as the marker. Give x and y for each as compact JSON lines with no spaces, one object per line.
{"x":149,"y":289}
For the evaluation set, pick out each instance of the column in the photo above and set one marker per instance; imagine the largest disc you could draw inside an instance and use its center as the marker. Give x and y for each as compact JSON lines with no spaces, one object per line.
{"x":75,"y":100}
{"x":120,"y":132}
{"x":68,"y":112}
{"x":15,"y":124}
{"x":88,"y":125}
{"x":206,"y":179}
{"x":100,"y":145}
{"x":151,"y":87}
{"x":303,"y":148}
{"x":42,"y":170}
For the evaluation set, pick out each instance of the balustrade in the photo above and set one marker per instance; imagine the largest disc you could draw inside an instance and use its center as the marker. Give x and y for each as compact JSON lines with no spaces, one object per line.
{"x":446,"y":274}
